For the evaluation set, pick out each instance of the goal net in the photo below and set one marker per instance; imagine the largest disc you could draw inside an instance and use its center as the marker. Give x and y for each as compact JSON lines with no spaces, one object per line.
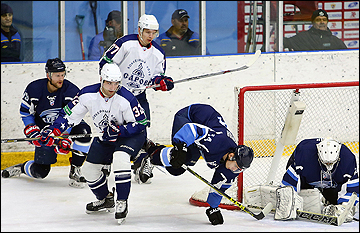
{"x":328,"y":110}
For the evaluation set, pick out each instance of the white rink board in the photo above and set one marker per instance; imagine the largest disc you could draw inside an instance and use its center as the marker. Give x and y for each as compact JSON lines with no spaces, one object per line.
{"x":218,"y":91}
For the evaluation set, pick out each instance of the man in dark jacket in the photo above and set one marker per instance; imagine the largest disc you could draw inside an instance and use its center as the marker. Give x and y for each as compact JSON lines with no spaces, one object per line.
{"x":10,"y":37}
{"x":318,"y":37}
{"x":179,"y":40}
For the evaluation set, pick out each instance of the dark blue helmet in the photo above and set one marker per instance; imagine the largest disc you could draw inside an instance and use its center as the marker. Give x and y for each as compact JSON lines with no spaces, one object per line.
{"x":54,"y":65}
{"x":244,"y":155}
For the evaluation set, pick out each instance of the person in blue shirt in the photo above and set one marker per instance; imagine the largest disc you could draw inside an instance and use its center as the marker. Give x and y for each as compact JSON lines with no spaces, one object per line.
{"x":327,"y":165}
{"x":102,"y":41}
{"x":179,"y":40}
{"x":199,"y":130}
{"x":40,"y":106}
{"x":11,"y":50}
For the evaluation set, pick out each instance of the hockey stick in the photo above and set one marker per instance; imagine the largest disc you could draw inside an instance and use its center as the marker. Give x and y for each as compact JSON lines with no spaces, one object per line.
{"x":258,"y":216}
{"x":80,"y":21}
{"x":322,"y":218}
{"x":63,"y":136}
{"x":250,"y":63}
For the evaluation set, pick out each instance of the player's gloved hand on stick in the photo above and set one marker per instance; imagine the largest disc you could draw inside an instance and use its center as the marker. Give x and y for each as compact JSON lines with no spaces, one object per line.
{"x":166,"y":83}
{"x":111,"y":132}
{"x":33,"y":131}
{"x":47,"y":135}
{"x":63,"y":146}
{"x":178,"y":155}
{"x":214,"y":215}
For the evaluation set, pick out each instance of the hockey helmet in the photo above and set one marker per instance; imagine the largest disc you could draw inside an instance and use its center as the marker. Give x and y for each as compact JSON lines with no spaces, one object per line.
{"x":148,"y":22}
{"x":110,"y":72}
{"x":329,"y":152}
{"x":54,"y":65}
{"x":244,"y":155}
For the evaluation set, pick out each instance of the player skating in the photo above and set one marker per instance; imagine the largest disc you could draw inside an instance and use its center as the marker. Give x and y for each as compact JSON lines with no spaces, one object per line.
{"x":41,"y":102}
{"x":199,"y":130}
{"x":142,"y":63}
{"x":118,"y":115}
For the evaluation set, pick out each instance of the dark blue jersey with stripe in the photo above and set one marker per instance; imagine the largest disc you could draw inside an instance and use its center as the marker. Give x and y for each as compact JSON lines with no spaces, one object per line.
{"x":40,"y":107}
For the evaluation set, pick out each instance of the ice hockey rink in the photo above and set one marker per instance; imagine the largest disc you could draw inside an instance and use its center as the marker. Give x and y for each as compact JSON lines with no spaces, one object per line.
{"x":51,"y":205}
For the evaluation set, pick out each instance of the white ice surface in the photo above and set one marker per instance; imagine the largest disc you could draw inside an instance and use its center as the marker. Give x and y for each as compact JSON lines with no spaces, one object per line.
{"x":51,"y":205}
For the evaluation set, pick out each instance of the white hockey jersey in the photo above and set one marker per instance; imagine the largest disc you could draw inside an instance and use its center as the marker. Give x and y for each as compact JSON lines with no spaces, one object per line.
{"x":138,"y":64}
{"x":122,"y":108}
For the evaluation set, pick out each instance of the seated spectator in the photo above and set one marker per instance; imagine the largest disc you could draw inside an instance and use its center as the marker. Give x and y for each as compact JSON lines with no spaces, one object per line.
{"x":318,"y":37}
{"x":102,"y":41}
{"x":10,"y":37}
{"x":179,"y":40}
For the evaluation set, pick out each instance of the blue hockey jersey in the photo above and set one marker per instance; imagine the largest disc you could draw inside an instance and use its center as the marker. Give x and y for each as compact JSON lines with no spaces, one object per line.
{"x":208,"y":131}
{"x":306,"y":169}
{"x":39,"y":106}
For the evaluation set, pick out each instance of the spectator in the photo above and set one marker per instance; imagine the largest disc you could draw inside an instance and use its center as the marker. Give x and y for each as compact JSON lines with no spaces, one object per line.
{"x":318,"y":37}
{"x":10,"y":37}
{"x":179,"y":40}
{"x":102,"y":41}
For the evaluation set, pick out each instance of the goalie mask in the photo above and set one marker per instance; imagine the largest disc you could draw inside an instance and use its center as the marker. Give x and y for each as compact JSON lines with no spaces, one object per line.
{"x":244,"y":155}
{"x":328,"y":152}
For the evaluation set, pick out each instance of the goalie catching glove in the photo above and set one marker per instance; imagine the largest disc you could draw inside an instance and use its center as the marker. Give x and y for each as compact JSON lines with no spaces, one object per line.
{"x":166,"y":83}
{"x":178,"y":155}
{"x":337,"y":210}
{"x":215,"y":216}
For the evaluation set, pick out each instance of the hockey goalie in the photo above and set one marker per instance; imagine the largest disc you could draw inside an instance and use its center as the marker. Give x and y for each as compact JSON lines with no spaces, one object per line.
{"x":321,"y":176}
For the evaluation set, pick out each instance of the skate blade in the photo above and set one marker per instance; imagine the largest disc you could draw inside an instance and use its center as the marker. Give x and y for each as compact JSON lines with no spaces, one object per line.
{"x":102,"y":211}
{"x":76,"y":184}
{"x":121,"y":221}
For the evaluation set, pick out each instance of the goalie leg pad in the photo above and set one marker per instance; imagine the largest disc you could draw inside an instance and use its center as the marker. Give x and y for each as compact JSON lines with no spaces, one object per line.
{"x":311,"y":200}
{"x":287,"y":202}
{"x":260,"y":195}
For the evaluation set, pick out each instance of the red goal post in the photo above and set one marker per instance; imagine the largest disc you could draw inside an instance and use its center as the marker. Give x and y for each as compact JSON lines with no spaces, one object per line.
{"x":332,"y":109}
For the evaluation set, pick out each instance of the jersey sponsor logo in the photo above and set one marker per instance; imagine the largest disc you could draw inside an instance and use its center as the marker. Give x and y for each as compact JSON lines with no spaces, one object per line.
{"x":51,"y":100}
{"x":67,"y":110}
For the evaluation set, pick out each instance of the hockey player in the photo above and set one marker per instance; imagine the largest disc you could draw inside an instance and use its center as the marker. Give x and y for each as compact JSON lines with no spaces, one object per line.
{"x":142,"y":63}
{"x":118,"y":115}
{"x":41,"y":102}
{"x":199,"y":130}
{"x":326,"y":165}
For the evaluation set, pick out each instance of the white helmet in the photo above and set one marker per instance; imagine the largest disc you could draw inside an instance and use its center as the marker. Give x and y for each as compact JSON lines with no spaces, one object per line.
{"x":148,"y":22}
{"x":328,"y":152}
{"x":110,"y":72}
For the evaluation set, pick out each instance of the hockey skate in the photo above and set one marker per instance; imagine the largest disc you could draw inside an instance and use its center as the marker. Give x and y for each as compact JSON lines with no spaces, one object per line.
{"x":143,"y":171}
{"x":76,"y":178}
{"x":107,"y":204}
{"x":121,"y":211}
{"x":12,"y":171}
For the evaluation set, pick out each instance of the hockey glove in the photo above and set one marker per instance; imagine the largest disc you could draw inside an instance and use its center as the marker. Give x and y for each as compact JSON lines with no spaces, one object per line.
{"x":47,"y":135}
{"x":63,"y":146}
{"x":166,"y":83}
{"x":215,"y":216}
{"x":337,"y":210}
{"x":178,"y":155}
{"x":111,"y":132}
{"x":33,"y":131}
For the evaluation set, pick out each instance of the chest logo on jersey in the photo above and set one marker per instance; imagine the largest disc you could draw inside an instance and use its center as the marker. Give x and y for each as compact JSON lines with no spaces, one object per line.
{"x":51,"y":100}
{"x":137,"y":76}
